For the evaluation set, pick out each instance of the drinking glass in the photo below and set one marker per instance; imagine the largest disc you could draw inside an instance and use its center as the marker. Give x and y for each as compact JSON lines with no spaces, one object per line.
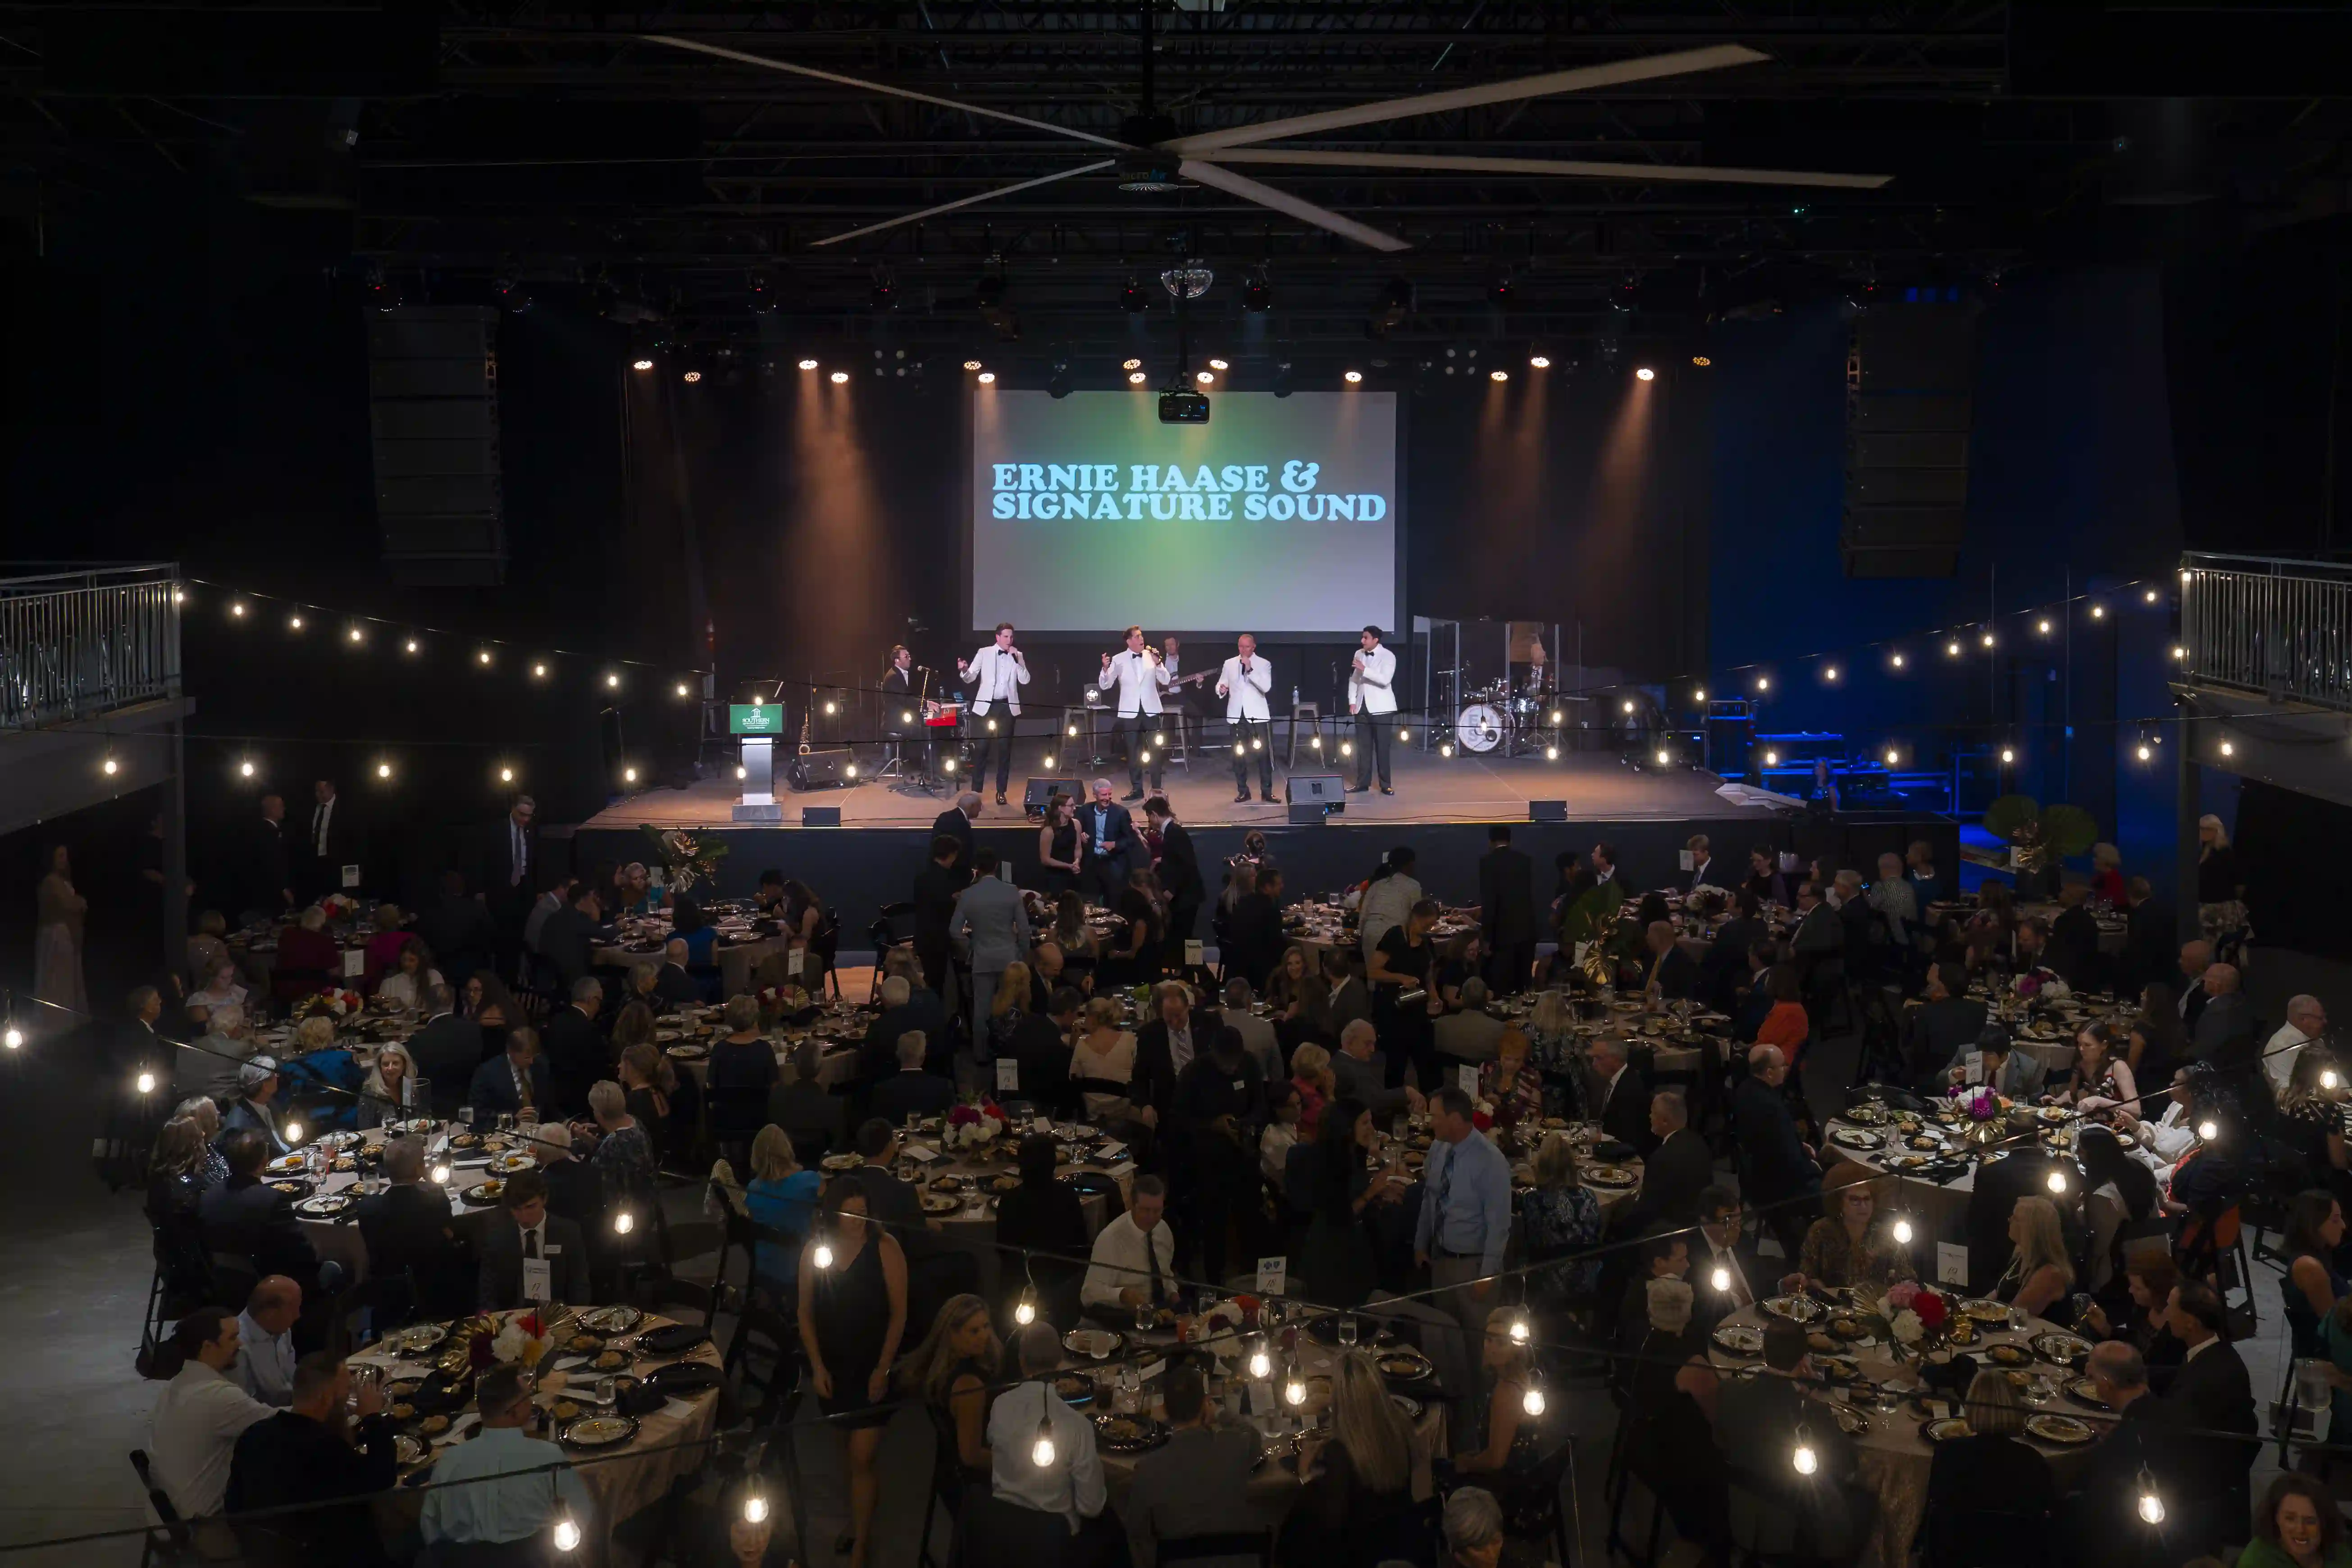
{"x":1347,"y":1331}
{"x":1146,"y":1316}
{"x":2017,"y":1320}
{"x":606,"y":1390}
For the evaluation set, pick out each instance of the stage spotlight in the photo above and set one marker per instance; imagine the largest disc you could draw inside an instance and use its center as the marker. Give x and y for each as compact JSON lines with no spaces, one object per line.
{"x":1218,"y":364}
{"x":1646,"y":374}
{"x":808,"y":365}
{"x":972,"y":365}
{"x":1499,"y":292}
{"x":884,"y":296}
{"x":1135,"y":378}
{"x":1499,"y":375}
{"x":384,"y":769}
{"x":1257,"y":294}
{"x":1551,"y":753}
{"x":1538,"y":362}
{"x":692,"y":376}
{"x":1701,"y":361}
{"x":839,"y":377}
{"x":1354,"y":376}
{"x":1206,"y":378}
{"x":2008,"y":755}
{"x":986,"y":378}
{"x":1771,"y":759}
{"x":642,"y":365}
{"x":1132,"y":298}
{"x":2098,"y":612}
{"x":1831,"y":673}
{"x":1130,"y":365}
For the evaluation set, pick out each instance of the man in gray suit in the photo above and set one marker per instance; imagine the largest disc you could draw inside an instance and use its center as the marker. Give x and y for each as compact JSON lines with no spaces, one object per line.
{"x":994,"y":924}
{"x":1197,"y":1484}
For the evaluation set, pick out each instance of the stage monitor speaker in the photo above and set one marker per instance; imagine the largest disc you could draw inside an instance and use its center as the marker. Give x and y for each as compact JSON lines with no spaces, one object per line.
{"x":1547,"y":811}
{"x":820,"y":816}
{"x":433,"y":416}
{"x":821,"y":768}
{"x":1306,"y":813}
{"x":1037,"y":792}
{"x":1327,"y":792}
{"x":1909,"y":399}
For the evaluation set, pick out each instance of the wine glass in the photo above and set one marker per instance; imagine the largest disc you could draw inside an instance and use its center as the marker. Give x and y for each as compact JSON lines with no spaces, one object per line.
{"x":1346,"y":1331}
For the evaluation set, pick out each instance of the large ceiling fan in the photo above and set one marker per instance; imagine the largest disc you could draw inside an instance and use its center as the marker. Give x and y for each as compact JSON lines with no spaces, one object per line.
{"x":1151,"y":155}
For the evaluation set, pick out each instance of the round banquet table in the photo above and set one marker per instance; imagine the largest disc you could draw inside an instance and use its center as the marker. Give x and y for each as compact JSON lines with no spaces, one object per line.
{"x":736,"y":960}
{"x":337,"y":1236}
{"x":671,"y":1440}
{"x":1893,"y":1454}
{"x":1937,"y":1196}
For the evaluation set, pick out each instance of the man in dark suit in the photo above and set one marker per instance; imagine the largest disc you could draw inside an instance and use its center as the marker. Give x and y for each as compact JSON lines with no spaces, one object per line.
{"x":1108,"y":845}
{"x":2209,"y":1395}
{"x":935,"y":888}
{"x":303,"y":1461}
{"x":577,"y":1052}
{"x":510,"y":875}
{"x":1507,"y":912}
{"x":407,"y":1228}
{"x":1726,"y":1274}
{"x":673,"y":986}
{"x":877,"y":1056}
{"x":2151,"y":937}
{"x":1820,"y":938}
{"x":1778,"y":1174}
{"x":246,"y":1218}
{"x":1704,"y":872}
{"x":1254,"y":930}
{"x":520,"y":1231}
{"x":505,"y":1084}
{"x":1165,"y":1047}
{"x":2188,"y":983}
{"x":445,"y":1050}
{"x":1673,"y":1173}
{"x":568,"y":937}
{"x":331,"y":840}
{"x":460,"y":930}
{"x":1939,"y":1028}
{"x":1725,"y":967}
{"x":2225,"y":1025}
{"x":955,"y":823}
{"x":1179,"y":876}
{"x":912,"y":1092}
{"x":269,"y":880}
{"x":1623,"y":1096}
{"x":1669,"y":974}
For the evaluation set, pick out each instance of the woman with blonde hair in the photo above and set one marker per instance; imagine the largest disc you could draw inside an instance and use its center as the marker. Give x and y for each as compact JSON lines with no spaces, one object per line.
{"x":1359,"y":1481}
{"x":952,"y":1372}
{"x":315,"y":1033}
{"x":1299,"y":1000}
{"x":385,"y":1096}
{"x":1008,"y":1008}
{"x":1560,"y":1219}
{"x":1105,"y":1054}
{"x":2220,"y":891}
{"x":1993,"y":1461}
{"x":2040,"y":1275}
{"x":1311,"y":1074}
{"x":781,"y":1197}
{"x":634,"y":1026}
{"x":1508,"y":1372}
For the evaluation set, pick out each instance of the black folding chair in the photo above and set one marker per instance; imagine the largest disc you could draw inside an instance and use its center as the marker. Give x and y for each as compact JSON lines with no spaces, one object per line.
{"x":169,"y":1541}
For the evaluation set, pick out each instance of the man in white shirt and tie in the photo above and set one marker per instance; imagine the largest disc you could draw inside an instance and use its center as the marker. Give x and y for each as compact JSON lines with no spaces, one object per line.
{"x":1138,"y":676}
{"x":1372,"y":698}
{"x":996,"y":674}
{"x":1244,"y":684}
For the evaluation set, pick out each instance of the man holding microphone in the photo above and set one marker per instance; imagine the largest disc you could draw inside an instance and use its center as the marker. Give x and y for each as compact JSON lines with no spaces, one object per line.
{"x":1140,"y":677}
{"x":1372,"y":698}
{"x":1244,"y":684}
{"x":996,"y":674}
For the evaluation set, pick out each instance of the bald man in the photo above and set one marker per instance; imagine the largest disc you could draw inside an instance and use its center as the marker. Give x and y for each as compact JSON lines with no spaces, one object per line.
{"x":1783,"y":1182}
{"x":2306,"y":1020}
{"x":2225,"y":1029}
{"x":2195,"y":958}
{"x":265,"y":1331}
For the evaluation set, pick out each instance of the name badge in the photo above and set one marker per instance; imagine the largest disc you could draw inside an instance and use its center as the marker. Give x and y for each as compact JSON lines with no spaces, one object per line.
{"x":538,"y":1282}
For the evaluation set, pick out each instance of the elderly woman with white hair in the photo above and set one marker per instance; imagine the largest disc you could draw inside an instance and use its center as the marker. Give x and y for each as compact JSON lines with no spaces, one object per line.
{"x":623,"y":1155}
{"x":201,"y":1110}
{"x":387,"y":1093}
{"x":255,"y":1110}
{"x":1474,"y":1529}
{"x":2221,"y":890}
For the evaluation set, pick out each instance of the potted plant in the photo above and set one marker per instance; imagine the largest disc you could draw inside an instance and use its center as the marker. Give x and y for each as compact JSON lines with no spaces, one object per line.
{"x":2040,"y":838}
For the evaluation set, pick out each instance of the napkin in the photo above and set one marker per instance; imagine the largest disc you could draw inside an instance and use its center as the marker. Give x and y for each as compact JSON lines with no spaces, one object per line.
{"x":678,"y":1409}
{"x":568,"y":1362}
{"x":1152,"y":1369}
{"x":457,"y":1428}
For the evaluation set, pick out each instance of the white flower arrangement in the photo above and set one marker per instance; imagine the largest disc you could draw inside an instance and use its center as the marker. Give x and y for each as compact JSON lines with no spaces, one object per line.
{"x":1907,"y":1327}
{"x":974,"y":1135}
{"x":515,"y":1343}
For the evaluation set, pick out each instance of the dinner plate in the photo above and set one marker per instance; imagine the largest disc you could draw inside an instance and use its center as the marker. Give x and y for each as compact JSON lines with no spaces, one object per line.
{"x":672,"y":1339}
{"x":1984,"y":1309}
{"x":1130,"y":1434}
{"x":407,"y":1451}
{"x":2009,"y":1355}
{"x":1412,"y":1407}
{"x":1856,"y":1138}
{"x":1945,"y":1429}
{"x":1741,"y":1339}
{"x":1074,"y":1388}
{"x":485,"y":1193}
{"x":1402,"y":1365}
{"x":1610,"y":1176}
{"x":2064,"y":1430}
{"x":2055,"y":1345}
{"x":290,"y":1188}
{"x":1838,"y":1368}
{"x":508,"y":1164}
{"x":1866,"y":1115}
{"x":598,"y":1431}
{"x":841,"y":1162}
{"x":1850,"y":1422}
{"x":941,"y":1203}
{"x":326,"y":1205}
{"x":289,"y":1165}
{"x":2082,"y":1391}
{"x":1796,"y":1309}
{"x":417,"y":1339}
{"x":1097,"y":1344}
{"x":610,"y":1319}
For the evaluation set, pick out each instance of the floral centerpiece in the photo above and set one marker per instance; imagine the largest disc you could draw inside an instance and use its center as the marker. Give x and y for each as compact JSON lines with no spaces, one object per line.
{"x":974,"y":1126}
{"x":522,"y":1339}
{"x":779,"y":1002}
{"x":687,"y":859}
{"x":1481,"y":1115}
{"x":339,"y":906}
{"x":331,"y":1003}
{"x":1916,"y":1315}
{"x":1987,"y":1110}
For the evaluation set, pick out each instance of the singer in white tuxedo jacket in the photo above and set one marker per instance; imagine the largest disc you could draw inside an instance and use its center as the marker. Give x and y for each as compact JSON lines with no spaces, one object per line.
{"x":995,"y":675}
{"x":1134,"y":677}
{"x":1372,"y":698}
{"x":1244,"y":684}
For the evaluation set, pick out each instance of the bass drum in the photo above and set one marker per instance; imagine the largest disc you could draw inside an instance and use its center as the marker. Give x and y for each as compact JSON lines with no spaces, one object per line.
{"x":1478,"y":728}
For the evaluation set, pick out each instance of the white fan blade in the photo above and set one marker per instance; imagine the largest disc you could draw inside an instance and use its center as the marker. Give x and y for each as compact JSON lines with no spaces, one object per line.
{"x":1681,"y":62}
{"x":1249,"y":190}
{"x":964,"y":202}
{"x":863,"y":85}
{"x":1691,"y":172}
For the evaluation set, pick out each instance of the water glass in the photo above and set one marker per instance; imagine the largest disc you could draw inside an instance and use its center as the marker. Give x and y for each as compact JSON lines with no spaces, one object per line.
{"x":1147,"y":1316}
{"x":1347,"y":1331}
{"x":2017,"y":1320}
{"x":606,"y":1390}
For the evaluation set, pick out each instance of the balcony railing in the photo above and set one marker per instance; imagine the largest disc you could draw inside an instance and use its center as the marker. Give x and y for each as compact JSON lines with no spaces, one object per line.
{"x":76,"y":644}
{"x":2279,"y":628}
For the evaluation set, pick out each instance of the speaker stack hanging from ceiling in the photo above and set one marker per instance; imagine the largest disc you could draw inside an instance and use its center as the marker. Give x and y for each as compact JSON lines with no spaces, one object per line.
{"x":433,"y":412}
{"x":1909,"y":395}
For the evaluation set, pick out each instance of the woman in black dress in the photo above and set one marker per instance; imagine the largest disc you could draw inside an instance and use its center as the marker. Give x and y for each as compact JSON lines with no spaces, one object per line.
{"x":1133,"y":956}
{"x":1057,"y":846}
{"x":2158,"y":1043}
{"x":1403,"y":966}
{"x":1336,"y":1256}
{"x":853,"y":1307}
{"x":954,"y":1372}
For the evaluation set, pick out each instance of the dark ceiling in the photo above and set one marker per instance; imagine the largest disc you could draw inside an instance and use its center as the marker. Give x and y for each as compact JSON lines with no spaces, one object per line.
{"x":445,"y":148}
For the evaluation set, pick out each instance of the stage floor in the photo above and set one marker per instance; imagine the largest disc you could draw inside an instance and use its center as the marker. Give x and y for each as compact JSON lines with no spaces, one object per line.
{"x":1429,"y":789}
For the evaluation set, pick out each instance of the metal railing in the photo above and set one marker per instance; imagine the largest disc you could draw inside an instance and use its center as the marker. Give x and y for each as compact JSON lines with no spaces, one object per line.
{"x":76,"y":644}
{"x":2278,"y":628}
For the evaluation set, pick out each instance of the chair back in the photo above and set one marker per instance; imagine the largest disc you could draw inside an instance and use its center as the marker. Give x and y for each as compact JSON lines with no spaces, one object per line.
{"x":1987,"y":1537}
{"x":174,"y":1528}
{"x":734,"y":1112}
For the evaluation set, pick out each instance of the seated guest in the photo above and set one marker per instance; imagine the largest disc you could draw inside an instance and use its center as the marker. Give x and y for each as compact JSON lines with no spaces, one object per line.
{"x":307,"y":1458}
{"x":254,"y":1109}
{"x":912,"y":1092}
{"x":1766,"y":879}
{"x":2146,"y":1326}
{"x":1558,"y":1218}
{"x":622,"y":1152}
{"x":192,"y":1436}
{"x":265,"y":1338}
{"x":412,"y":974}
{"x":569,"y":936}
{"x":1779,"y":1167}
{"x":2209,"y":1406}
{"x":1510,"y":1082}
{"x":1724,"y":1269}
{"x":576,"y":1051}
{"x":520,"y":1231}
{"x":574,"y":1189}
{"x":1677,"y":1171}
{"x":1133,"y":1260}
{"x":1665,"y":1256}
{"x":1472,"y":1524}
{"x":2297,"y":1526}
{"x":1355,"y":1507}
{"x":2102,"y":1079}
{"x":1471,"y":1035}
{"x":1197,"y":1483}
{"x":1506,"y":1373}
{"x":817,"y":1120}
{"x":1006,"y":1009}
{"x":952,"y":1372}
{"x":1622,"y":1096}
{"x":1938,"y":1029}
{"x":2040,"y":1275}
{"x":1318,"y":1086}
{"x":742,"y":1070}
{"x":1300,"y":1000}
{"x":1030,"y":1421}
{"x":445,"y":1050}
{"x":385,"y":1094}
{"x":1041,"y":1049}
{"x":2013,"y":1074}
{"x":673,"y":986}
{"x":1785,"y":1023}
{"x":659,"y":1100}
{"x":1668,"y":974}
{"x":1671,"y":1394}
{"x":1258,"y":1036}
{"x":1046,"y":1218}
{"x":877,"y":1058}
{"x":1760,"y":1416}
{"x":781,"y":1197}
{"x":2224,"y":1031}
{"x":246,"y":1218}
{"x":178,"y":1170}
{"x":308,"y":959}
{"x":1981,"y":1488}
{"x":513,"y":1081}
{"x":1102,"y":1063}
{"x":1359,"y":1073}
{"x":504,"y":1486}
{"x":1847,"y":1248}
{"x":407,"y":1228}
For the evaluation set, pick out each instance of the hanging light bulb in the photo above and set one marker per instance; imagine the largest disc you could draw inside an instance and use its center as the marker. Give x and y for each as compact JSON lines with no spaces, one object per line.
{"x":1293,"y":1387}
{"x":147,"y":1086}
{"x":1404,"y":734}
{"x":1041,"y":1452}
{"x":1156,"y":739}
{"x":822,"y":1255}
{"x":1049,"y":759}
{"x":1771,"y":759}
{"x":440,"y":1175}
{"x":1551,"y":753}
{"x":2008,"y":755}
{"x":293,"y":1129}
{"x":623,"y":1223}
{"x":567,"y":1533}
{"x":14,"y":1040}
{"x":1521,"y":1330}
{"x":2226,"y":749}
{"x":1025,"y":1313}
{"x":755,"y":1508}
{"x":2151,"y":1506}
{"x":2057,"y":1183}
{"x":1697,"y":696}
{"x":1902,"y":1231}
{"x":1805,"y":1461}
{"x":1721,"y":1278}
{"x":1532,"y":1401}
{"x":2209,"y":1130}
{"x":1261,"y":1364}
{"x":2329,"y":1079}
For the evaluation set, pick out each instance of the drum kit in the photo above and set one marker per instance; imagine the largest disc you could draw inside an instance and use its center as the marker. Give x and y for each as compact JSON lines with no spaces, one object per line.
{"x":1497,"y":718}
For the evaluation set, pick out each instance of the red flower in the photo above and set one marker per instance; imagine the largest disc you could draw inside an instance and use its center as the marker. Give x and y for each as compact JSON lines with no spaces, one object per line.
{"x":1481,"y":1120}
{"x":993,"y":1111}
{"x":1932,"y":1308}
{"x":529,"y":1323}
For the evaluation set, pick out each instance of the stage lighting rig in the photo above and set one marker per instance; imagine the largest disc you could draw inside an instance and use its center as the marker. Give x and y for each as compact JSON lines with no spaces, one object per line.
{"x":989,"y":299}
{"x":1257,"y":294}
{"x":1394,"y":306}
{"x":1134,"y":299}
{"x":1188,"y":282}
{"x":760,"y":291}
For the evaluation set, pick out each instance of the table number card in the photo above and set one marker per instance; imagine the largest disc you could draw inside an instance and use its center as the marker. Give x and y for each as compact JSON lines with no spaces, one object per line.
{"x":354,"y":962}
{"x":1270,"y":1274}
{"x":351,"y":876}
{"x":1952,"y":1264}
{"x":1467,"y":1076}
{"x":1008,"y":1075}
{"x":1194,"y":956}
